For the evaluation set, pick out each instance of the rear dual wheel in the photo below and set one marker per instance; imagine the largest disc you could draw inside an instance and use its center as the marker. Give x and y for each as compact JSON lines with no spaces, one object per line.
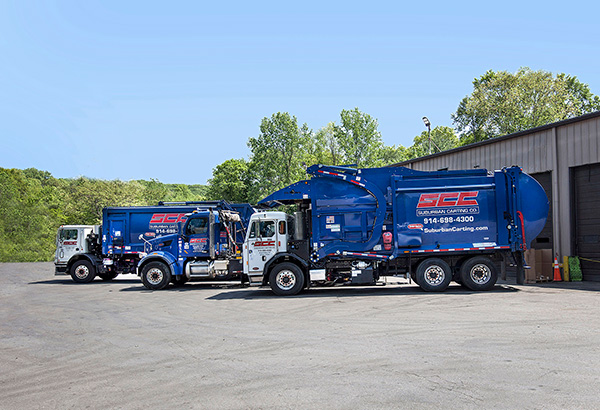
{"x":433,"y":275}
{"x":478,"y":273}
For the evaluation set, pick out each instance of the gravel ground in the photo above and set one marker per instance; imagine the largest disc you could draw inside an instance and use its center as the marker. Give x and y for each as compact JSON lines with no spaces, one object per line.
{"x":117,"y":345}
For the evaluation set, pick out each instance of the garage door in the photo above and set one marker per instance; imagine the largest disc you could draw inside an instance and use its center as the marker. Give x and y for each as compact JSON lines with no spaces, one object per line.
{"x":586,"y":187}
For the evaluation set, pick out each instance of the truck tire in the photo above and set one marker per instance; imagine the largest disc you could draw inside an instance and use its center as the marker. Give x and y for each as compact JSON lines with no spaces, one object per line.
{"x":433,"y":275}
{"x":286,"y":279}
{"x":83,"y":271}
{"x":156,"y":276}
{"x":478,"y":273}
{"x":108,"y":276}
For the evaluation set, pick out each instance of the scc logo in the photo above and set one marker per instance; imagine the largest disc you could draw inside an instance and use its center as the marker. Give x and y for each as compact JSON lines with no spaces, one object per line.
{"x":444,"y":199}
{"x":167,"y":218}
{"x":264,"y":243}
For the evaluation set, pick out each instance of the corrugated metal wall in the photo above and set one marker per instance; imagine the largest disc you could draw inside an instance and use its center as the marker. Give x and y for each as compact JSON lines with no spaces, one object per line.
{"x":556,"y":148}
{"x":532,"y":152}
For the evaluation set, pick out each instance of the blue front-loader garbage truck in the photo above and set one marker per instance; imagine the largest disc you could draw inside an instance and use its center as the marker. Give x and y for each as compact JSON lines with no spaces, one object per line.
{"x":130,"y":238}
{"x":353,"y":226}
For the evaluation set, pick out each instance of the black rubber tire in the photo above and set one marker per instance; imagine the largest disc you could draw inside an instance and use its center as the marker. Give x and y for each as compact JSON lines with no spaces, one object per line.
{"x":286,"y":279}
{"x":108,"y":276}
{"x":179,"y":280}
{"x":479,"y":273}
{"x":433,"y":275}
{"x":82,"y":271}
{"x":156,"y":276}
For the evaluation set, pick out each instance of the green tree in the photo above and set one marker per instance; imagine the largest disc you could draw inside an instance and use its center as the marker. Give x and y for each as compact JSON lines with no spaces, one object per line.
{"x":231,"y":181}
{"x":392,"y":154}
{"x":277,"y":153}
{"x":324,"y":147}
{"x":153,"y":192}
{"x":442,"y":139}
{"x":85,"y":198}
{"x":27,"y":228}
{"x":358,"y":139}
{"x":503,"y":103}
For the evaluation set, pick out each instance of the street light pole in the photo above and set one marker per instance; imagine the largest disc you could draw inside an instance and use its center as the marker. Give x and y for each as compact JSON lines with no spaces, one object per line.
{"x":428,"y":125}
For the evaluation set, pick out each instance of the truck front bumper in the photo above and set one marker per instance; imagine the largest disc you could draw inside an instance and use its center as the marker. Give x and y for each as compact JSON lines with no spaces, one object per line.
{"x":60,"y":269}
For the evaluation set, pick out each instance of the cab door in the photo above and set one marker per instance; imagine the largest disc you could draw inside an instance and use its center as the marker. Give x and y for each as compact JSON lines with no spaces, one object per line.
{"x":197,"y":243}
{"x":67,"y":244}
{"x":261,"y":245}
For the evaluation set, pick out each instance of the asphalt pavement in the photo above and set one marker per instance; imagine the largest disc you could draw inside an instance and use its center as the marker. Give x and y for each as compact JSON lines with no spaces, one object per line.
{"x":117,"y":345}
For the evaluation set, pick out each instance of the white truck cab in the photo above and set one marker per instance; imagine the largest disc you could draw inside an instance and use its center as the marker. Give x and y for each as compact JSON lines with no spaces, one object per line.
{"x":266,"y":237}
{"x":71,"y":240}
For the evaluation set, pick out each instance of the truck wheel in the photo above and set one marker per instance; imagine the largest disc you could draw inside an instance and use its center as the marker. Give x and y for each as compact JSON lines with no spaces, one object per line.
{"x":108,"y":276}
{"x":478,"y":273}
{"x":83,"y":272}
{"x":156,"y":276}
{"x":433,"y":275}
{"x":286,"y":279}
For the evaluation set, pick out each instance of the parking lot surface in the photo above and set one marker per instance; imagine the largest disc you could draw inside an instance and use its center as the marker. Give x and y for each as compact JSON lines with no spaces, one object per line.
{"x":117,"y":345}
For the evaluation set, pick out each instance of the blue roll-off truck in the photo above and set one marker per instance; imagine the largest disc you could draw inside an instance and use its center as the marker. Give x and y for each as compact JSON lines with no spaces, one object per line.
{"x":353,"y":226}
{"x":132,"y":238}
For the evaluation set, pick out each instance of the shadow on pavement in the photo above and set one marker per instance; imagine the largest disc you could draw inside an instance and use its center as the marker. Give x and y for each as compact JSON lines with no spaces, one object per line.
{"x":70,"y":281}
{"x":352,"y":291}
{"x":183,"y":288}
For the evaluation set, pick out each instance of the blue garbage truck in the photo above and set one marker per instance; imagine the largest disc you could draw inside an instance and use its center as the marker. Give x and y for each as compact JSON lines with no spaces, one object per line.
{"x":353,"y":226}
{"x":207,"y":247}
{"x":128,"y":234}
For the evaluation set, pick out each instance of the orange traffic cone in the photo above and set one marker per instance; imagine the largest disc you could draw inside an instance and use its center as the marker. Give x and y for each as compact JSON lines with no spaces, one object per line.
{"x":557,"y":277}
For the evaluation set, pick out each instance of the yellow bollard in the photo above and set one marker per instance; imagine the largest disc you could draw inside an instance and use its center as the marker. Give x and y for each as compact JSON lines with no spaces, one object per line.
{"x":566,"y":268}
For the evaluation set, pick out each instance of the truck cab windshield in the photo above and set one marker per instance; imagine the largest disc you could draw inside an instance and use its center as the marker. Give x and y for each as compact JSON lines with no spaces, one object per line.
{"x":262,"y":229}
{"x":68,"y":234}
{"x":197,"y":226}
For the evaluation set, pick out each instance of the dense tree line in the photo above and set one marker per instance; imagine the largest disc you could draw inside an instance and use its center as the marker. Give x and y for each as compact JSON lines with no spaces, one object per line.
{"x":33,"y":203}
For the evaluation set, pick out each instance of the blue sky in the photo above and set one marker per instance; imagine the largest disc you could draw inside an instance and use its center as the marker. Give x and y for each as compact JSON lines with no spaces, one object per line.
{"x":168,"y":90}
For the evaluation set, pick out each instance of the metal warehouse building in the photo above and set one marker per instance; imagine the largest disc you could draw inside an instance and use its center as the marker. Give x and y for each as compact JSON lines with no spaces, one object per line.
{"x":565,"y":159}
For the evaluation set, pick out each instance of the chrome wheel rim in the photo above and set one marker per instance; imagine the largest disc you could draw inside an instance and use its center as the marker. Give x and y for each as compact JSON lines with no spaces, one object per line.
{"x":285,"y":279}
{"x":480,"y":273}
{"x":82,"y":272}
{"x":154,"y":276}
{"x":434,"y":275}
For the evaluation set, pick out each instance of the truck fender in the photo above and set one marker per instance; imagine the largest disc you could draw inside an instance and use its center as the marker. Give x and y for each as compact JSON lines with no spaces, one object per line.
{"x":93,"y":259}
{"x":288,"y":257}
{"x":161,"y":256}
